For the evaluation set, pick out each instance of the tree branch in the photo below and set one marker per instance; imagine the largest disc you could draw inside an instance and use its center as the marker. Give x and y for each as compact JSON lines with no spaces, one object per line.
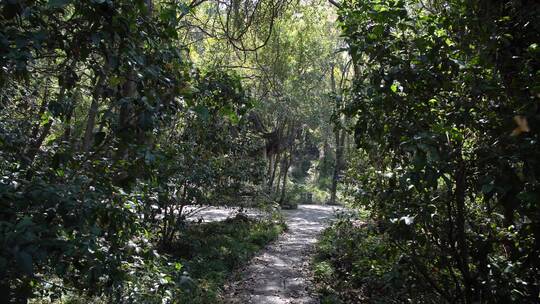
{"x":334,"y":3}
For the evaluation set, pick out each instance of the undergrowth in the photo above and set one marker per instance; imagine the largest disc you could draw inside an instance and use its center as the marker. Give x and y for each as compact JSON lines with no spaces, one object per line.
{"x":210,"y":252}
{"x":190,"y":271}
{"x":355,"y":262}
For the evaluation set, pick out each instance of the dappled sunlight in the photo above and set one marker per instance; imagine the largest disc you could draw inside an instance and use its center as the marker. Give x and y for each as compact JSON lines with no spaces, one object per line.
{"x":218,"y":213}
{"x":138,"y":140}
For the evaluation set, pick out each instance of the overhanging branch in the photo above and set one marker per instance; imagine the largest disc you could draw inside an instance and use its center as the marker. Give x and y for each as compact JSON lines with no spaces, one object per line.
{"x":334,"y":3}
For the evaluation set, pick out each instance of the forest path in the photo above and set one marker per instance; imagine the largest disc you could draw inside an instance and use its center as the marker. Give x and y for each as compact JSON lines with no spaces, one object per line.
{"x":280,"y":273}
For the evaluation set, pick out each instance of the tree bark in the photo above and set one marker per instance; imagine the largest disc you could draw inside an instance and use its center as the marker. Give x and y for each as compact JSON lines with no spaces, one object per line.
{"x":277,"y":158}
{"x":88,"y":138}
{"x":287,"y":163}
{"x":41,"y":111}
{"x":463,"y":259}
{"x":339,"y":136}
{"x":280,"y":168}
{"x":287,"y":159}
{"x":36,"y":145}
{"x":67,"y":132}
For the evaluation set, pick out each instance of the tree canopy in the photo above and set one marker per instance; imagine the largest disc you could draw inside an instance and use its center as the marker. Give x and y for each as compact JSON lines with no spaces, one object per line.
{"x":117,"y":117}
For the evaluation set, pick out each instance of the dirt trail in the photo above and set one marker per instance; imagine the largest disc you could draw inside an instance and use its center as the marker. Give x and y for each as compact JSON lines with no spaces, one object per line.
{"x":279,"y":274}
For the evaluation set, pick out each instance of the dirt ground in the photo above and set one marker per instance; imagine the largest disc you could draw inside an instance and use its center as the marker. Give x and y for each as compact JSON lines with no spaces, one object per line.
{"x":280,"y":273}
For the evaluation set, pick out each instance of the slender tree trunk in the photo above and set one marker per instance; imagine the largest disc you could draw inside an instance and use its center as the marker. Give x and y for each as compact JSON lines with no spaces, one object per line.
{"x":71,"y":106}
{"x":36,"y":145}
{"x":88,"y":138}
{"x":39,"y":141}
{"x":287,"y":159}
{"x":279,"y":172}
{"x":269,"y":158}
{"x":459,"y":194}
{"x":287,"y":163}
{"x":339,"y":136}
{"x":43,"y":106}
{"x":277,"y":159}
{"x":125,"y":116}
{"x":67,"y":132}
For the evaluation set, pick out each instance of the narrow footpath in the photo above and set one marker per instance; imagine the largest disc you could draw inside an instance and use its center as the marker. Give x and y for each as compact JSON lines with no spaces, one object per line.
{"x":280,"y":273}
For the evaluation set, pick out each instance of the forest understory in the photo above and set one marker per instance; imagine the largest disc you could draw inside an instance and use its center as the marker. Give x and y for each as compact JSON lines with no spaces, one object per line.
{"x":119,"y":119}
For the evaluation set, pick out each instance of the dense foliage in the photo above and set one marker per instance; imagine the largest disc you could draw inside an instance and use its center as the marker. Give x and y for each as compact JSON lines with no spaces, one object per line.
{"x":107,"y":130}
{"x":291,"y":78}
{"x":115,"y":115}
{"x":446,"y":100}
{"x":355,"y":264}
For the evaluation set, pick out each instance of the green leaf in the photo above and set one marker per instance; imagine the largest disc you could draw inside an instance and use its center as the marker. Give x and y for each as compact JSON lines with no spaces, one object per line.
{"x":24,"y":260}
{"x":116,"y":80}
{"x":45,"y":118}
{"x":487,"y":188}
{"x":58,"y":3}
{"x":529,"y":197}
{"x":202,"y":112}
{"x":230,"y":114}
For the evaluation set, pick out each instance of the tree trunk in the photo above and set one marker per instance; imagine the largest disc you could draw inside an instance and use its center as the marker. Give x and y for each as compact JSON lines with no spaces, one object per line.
{"x":67,"y":132}
{"x":277,"y":159}
{"x":339,"y":136}
{"x":66,"y":137}
{"x":36,"y":145}
{"x":463,"y":259}
{"x":127,"y":115}
{"x":287,"y":159}
{"x":41,"y":111}
{"x":279,"y":171}
{"x":287,"y":164}
{"x":88,"y":138}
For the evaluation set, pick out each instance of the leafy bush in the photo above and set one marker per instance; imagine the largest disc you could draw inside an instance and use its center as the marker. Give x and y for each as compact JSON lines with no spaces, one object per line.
{"x":355,"y":263}
{"x":192,"y":271}
{"x":107,"y":131}
{"x":446,"y":108}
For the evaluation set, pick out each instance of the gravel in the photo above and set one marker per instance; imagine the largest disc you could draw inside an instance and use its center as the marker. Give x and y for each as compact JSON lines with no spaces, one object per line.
{"x":280,"y":273}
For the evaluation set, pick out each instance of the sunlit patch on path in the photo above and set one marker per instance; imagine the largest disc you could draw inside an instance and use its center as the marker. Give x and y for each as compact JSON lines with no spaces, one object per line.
{"x":216,"y":213}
